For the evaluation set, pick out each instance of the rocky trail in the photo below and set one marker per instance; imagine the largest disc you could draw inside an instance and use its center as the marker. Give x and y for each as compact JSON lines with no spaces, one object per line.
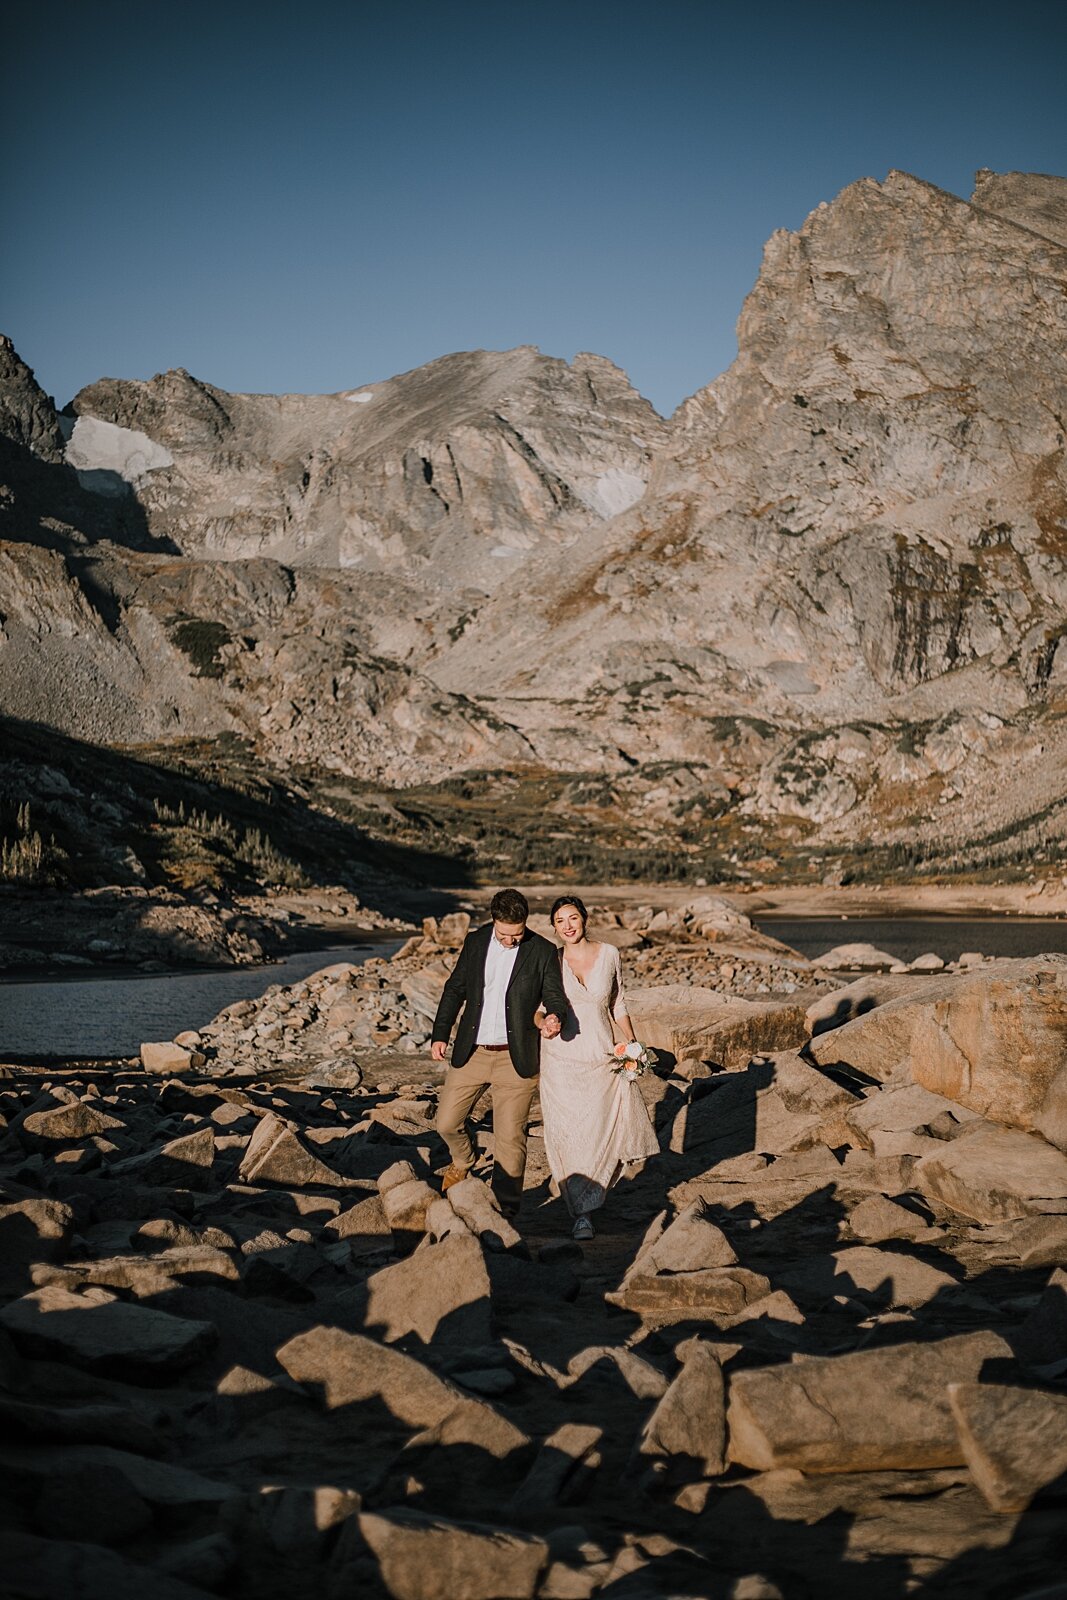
{"x":817,"y":1347}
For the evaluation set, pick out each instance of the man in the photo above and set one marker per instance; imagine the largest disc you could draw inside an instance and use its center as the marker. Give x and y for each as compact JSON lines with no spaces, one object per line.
{"x":504,"y":974}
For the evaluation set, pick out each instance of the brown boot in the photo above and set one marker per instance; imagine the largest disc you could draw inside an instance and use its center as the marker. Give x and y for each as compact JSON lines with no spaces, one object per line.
{"x":452,"y":1175}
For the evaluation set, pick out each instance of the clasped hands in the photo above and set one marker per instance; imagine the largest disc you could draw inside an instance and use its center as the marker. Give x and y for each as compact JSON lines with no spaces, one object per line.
{"x":549,"y":1027}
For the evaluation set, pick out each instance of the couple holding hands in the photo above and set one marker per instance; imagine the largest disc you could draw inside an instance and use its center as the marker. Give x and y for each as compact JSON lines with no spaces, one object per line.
{"x":525,"y":1008}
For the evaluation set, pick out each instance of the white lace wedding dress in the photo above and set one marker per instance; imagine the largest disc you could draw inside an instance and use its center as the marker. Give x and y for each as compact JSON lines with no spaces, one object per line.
{"x":594,"y":1118}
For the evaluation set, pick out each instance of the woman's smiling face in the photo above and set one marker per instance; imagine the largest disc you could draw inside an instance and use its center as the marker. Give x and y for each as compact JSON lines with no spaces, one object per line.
{"x":568,"y":924}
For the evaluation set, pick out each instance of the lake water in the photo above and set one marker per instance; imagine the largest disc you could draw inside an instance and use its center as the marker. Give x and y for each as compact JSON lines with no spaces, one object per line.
{"x":112,"y":1016}
{"x":947,"y":937}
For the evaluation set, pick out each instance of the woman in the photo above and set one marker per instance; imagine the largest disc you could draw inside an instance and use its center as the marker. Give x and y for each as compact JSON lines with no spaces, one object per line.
{"x":594,"y":1117}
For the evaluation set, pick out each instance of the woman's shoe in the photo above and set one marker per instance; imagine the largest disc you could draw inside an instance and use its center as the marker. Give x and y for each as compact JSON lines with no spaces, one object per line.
{"x":583,"y":1229}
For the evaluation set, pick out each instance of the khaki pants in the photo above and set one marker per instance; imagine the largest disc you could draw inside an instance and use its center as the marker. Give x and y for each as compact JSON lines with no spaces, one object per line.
{"x":512,"y":1095}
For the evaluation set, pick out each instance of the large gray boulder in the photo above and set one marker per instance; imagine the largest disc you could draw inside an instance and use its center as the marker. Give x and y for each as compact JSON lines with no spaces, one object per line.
{"x":440,"y":1295}
{"x":32,"y":1230}
{"x":97,"y":1331}
{"x":347,"y":1368}
{"x":276,"y":1155}
{"x":689,"y":1021}
{"x":1013,"y":1440}
{"x":865,"y":1412}
{"x":690,"y":1420}
{"x":993,"y":1041}
{"x":423,"y":1557}
{"x":994,"y":1174}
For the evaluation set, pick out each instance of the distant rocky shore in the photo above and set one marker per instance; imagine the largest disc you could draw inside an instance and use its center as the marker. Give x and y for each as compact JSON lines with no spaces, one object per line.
{"x":248,"y":1348}
{"x":154,"y":930}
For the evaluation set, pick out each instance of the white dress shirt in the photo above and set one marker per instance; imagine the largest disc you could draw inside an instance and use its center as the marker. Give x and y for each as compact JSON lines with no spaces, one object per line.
{"x":499,"y":965}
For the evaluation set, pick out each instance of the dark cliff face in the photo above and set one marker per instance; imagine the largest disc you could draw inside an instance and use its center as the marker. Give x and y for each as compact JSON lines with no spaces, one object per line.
{"x":28,"y":417}
{"x":856,"y":538}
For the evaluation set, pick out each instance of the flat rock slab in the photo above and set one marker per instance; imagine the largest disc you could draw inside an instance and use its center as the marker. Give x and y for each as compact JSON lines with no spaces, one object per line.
{"x":690,"y":1243}
{"x":1014,"y":1440}
{"x":994,"y":1174}
{"x":62,"y":1569}
{"x":997,"y":1042}
{"x":476,"y":1204}
{"x":805,"y":1090}
{"x":833,"y":1010}
{"x":78,"y":1424}
{"x":185,"y":1162}
{"x":364,"y":1225}
{"x":276,"y":1155}
{"x":31,"y":1231}
{"x":165,"y":1056}
{"x":864,"y":1412}
{"x":158,"y":1482}
{"x":691,"y":1021}
{"x":878,"y":1037}
{"x":143,"y":1275}
{"x":441,"y":1295}
{"x":993,"y":1041}
{"x":1041,"y":1341}
{"x":430,"y":1558}
{"x":64,"y":1124}
{"x":690,"y":1419}
{"x":898,"y":1108}
{"x":1041,"y":1241}
{"x":348,"y":1368}
{"x":890,"y":1277}
{"x":769,"y":1187}
{"x":877,"y":1218}
{"x":555,"y":1465}
{"x":743,"y":1112}
{"x":680,"y":1296}
{"x":95,"y":1331}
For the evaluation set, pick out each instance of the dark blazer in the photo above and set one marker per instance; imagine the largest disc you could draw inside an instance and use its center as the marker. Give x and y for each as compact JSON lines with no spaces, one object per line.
{"x":536,"y":980}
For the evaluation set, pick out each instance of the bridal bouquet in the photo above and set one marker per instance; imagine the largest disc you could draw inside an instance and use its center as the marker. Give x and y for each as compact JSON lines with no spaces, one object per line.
{"x":635,"y":1058}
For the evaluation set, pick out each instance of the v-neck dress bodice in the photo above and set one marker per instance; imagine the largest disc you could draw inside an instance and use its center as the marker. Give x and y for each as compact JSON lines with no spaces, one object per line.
{"x":594,"y":1117}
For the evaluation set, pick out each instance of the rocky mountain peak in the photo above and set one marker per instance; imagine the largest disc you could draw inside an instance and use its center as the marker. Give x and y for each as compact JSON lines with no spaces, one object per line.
{"x":27,"y":415}
{"x":445,"y":474}
{"x":827,"y":598}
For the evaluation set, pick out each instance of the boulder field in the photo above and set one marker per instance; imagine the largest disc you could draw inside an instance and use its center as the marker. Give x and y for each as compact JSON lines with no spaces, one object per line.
{"x":818,"y":1345}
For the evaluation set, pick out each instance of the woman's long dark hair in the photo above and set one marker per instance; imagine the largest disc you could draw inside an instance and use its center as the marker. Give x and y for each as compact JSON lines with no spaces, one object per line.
{"x":569,"y":900}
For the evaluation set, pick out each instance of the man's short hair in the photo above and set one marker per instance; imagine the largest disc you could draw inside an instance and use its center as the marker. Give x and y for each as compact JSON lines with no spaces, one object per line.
{"x":508,"y":905}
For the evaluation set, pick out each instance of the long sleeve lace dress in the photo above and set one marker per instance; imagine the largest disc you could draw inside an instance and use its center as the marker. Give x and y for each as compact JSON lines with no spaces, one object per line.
{"x":594,"y":1117}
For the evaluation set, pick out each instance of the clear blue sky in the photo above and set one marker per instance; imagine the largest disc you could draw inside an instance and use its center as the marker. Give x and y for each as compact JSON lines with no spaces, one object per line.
{"x":314,"y":196}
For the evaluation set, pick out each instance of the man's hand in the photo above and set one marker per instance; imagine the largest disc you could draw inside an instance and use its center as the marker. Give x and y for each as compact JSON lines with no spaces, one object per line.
{"x":437,"y":1049}
{"x":550,"y":1027}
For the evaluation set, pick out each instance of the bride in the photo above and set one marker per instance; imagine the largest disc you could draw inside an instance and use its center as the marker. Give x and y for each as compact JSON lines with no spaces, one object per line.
{"x":594,"y":1117}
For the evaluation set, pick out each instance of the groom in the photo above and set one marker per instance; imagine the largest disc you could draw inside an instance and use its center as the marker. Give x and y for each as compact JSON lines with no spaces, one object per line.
{"x":504,"y":974}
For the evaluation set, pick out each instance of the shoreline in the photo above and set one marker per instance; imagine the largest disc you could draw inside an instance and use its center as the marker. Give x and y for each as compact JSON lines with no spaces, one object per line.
{"x":1044,"y":902}
{"x":323,"y":936}
{"x":935,"y":903}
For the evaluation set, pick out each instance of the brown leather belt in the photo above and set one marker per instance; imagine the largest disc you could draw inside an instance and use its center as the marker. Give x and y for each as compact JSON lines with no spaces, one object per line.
{"x":493,"y":1047}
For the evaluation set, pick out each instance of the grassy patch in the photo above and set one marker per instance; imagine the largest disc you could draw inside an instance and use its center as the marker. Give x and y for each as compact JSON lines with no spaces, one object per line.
{"x":201,"y":641}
